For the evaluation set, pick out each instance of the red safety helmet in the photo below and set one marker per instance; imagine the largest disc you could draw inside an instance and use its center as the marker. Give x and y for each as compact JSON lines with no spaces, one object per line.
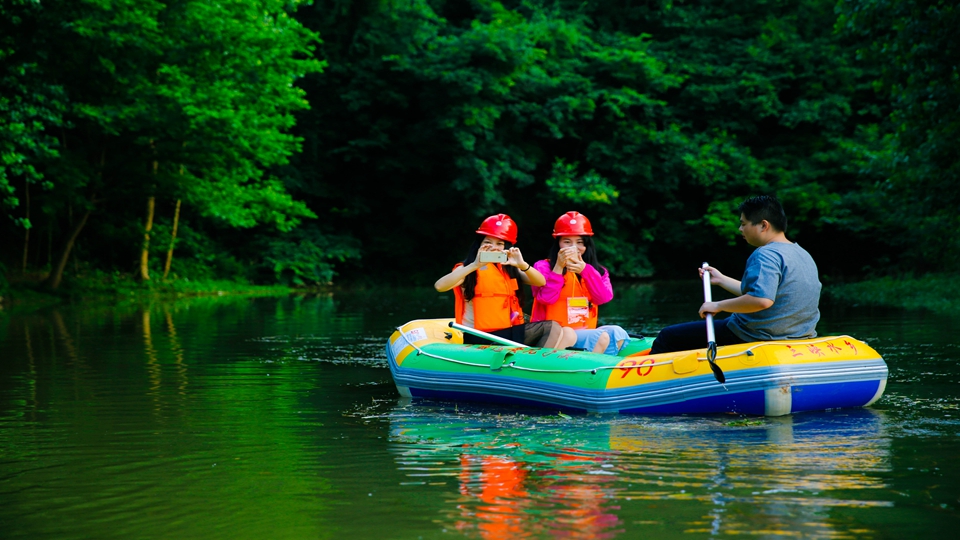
{"x":499,"y":226}
{"x":572,"y":224}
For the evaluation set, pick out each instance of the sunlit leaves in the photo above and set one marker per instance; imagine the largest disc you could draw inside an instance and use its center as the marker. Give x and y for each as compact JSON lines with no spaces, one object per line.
{"x":115,"y":101}
{"x":30,"y":107}
{"x":569,"y":185}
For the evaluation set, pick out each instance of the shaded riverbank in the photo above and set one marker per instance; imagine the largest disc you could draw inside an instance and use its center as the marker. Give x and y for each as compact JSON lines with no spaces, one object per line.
{"x":27,"y":294}
{"x":938,"y":293}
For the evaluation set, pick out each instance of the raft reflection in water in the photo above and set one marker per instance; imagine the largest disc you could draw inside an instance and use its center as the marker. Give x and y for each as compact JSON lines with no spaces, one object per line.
{"x":596,"y":477}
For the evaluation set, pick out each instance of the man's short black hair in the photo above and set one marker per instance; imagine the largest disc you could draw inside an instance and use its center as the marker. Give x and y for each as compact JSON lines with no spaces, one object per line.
{"x":764,"y":207}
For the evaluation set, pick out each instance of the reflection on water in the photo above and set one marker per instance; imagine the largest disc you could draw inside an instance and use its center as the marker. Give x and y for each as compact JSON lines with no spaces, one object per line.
{"x":277,"y":418}
{"x":590,"y":475}
{"x":156,"y":421}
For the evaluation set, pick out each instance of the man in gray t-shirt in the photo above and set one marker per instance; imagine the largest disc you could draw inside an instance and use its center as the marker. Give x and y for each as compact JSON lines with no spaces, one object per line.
{"x":786,"y":274}
{"x":778,"y":297}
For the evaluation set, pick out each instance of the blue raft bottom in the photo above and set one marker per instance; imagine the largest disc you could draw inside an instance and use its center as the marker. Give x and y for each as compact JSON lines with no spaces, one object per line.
{"x":811,"y":397}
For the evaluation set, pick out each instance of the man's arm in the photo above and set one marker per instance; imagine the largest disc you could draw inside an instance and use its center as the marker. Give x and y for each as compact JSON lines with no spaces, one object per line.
{"x":729,"y":284}
{"x":742,"y":304}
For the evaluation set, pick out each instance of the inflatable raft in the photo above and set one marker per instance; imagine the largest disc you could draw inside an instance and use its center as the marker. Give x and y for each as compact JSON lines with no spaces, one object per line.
{"x":428,"y":359}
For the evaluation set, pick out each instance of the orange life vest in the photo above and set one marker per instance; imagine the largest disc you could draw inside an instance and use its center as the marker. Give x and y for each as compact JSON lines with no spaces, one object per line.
{"x":558,"y":311}
{"x":495,"y":302}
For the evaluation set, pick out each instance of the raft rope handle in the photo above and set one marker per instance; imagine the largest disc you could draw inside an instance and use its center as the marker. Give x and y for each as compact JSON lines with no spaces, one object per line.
{"x":594,"y":370}
{"x":521,"y":368}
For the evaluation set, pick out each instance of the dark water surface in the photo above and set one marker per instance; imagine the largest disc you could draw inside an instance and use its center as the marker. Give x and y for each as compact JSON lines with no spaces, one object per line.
{"x":277,"y":418}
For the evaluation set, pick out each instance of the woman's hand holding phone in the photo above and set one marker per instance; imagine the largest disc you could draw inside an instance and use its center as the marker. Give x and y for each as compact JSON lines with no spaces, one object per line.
{"x":515,"y":258}
{"x":572,"y":260}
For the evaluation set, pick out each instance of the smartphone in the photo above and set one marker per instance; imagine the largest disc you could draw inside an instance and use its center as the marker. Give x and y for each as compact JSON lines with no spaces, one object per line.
{"x":493,"y":256}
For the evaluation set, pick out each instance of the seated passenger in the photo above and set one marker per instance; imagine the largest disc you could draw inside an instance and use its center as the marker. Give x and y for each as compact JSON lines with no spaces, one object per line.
{"x":576,"y":284}
{"x":778,"y":297}
{"x":486,"y":292}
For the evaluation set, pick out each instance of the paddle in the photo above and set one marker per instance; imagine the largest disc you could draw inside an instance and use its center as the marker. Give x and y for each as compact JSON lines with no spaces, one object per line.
{"x":484,"y":335}
{"x":711,"y":338}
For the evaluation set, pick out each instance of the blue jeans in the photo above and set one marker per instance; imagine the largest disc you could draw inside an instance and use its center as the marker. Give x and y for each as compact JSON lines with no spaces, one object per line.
{"x":692,"y":335}
{"x":587,"y":338}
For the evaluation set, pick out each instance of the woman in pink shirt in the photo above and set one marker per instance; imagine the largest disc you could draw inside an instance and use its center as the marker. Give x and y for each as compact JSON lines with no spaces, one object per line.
{"x":576,"y":285}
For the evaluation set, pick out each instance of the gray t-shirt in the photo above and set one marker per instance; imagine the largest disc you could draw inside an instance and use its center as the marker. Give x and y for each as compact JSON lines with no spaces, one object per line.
{"x":786,"y":274}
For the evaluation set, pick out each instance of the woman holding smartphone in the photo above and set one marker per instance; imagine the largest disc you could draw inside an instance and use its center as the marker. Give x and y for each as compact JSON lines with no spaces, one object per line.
{"x":485,"y":285}
{"x":576,"y":284}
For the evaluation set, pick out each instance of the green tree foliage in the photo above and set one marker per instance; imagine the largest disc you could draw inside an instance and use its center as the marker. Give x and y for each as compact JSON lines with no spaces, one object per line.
{"x":657,"y":118}
{"x":30,"y":107}
{"x":201,"y":86}
{"x":770,"y":97}
{"x":912,"y":155}
{"x":306,"y":256}
{"x":463,"y":110}
{"x":653,"y":118}
{"x":178,"y":99}
{"x":226,"y":81}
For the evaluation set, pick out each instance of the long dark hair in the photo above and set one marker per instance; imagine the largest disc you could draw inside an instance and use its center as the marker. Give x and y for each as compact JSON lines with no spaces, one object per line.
{"x":589,"y":255}
{"x":470,"y":282}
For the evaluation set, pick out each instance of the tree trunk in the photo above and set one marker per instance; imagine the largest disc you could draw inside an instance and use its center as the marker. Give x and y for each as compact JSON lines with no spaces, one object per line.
{"x":56,"y":275}
{"x":26,"y":236}
{"x":151,"y":201}
{"x":173,"y":238}
{"x":145,"y":254}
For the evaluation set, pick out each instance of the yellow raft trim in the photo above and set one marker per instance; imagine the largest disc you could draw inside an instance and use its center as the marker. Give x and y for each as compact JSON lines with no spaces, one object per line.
{"x":639,"y":370}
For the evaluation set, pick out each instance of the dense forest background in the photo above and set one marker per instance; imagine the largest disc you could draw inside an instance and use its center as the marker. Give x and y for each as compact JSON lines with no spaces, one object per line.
{"x":305,"y":143}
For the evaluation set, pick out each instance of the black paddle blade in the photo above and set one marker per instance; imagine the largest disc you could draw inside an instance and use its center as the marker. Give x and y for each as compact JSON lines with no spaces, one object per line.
{"x":718,"y":373}
{"x":712,"y":359}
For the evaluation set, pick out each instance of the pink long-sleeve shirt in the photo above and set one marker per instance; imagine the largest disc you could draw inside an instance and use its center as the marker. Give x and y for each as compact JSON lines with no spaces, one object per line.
{"x":599,"y":287}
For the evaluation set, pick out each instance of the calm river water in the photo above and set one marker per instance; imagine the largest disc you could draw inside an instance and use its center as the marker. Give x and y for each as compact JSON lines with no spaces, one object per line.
{"x":273,"y":418}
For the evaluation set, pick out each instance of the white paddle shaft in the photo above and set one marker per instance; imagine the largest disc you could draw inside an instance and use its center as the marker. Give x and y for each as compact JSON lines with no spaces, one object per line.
{"x":707,"y":297}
